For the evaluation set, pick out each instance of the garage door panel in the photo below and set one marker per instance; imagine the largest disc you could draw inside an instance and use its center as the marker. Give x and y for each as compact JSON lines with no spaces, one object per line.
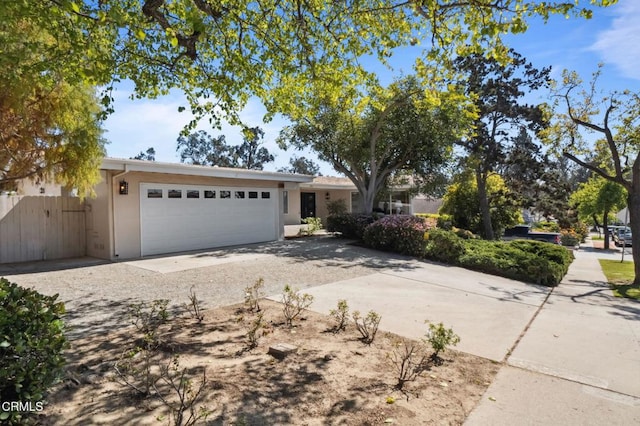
{"x":179,"y":224}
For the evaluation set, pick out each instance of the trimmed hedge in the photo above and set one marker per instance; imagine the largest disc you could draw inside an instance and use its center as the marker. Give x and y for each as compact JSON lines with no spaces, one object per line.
{"x":530,"y":261}
{"x":402,"y":234}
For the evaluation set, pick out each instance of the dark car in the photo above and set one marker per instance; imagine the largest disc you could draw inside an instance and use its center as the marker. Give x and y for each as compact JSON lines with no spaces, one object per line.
{"x":523,"y":232}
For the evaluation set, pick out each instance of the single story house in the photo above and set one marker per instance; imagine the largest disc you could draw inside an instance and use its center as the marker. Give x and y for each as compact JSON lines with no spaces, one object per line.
{"x":310,"y":199}
{"x":145,"y":208}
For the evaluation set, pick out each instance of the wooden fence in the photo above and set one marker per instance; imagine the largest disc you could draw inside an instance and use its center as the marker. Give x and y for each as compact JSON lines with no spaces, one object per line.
{"x":41,"y":227}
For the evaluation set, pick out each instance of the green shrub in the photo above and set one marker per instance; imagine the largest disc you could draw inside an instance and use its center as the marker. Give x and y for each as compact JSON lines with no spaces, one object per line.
{"x":337,"y":207}
{"x":529,"y":261}
{"x":444,"y":246}
{"x":465,"y":234}
{"x":546,"y":227}
{"x":349,"y":225}
{"x":31,"y":344}
{"x":313,"y":224}
{"x":397,"y":233}
{"x":569,"y":238}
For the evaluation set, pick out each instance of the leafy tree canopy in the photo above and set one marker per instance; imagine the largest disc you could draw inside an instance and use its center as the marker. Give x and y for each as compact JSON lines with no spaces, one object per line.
{"x":148,"y":155}
{"x":220,"y":54}
{"x":202,"y":149}
{"x":596,"y":199}
{"x":404,"y":128}
{"x":50,"y":131}
{"x":462,"y":203}
{"x":497,"y":90}
{"x":301,"y":165}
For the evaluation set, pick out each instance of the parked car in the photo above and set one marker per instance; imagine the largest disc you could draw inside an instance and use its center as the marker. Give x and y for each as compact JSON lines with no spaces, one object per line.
{"x":622,"y":236}
{"x":523,"y":232}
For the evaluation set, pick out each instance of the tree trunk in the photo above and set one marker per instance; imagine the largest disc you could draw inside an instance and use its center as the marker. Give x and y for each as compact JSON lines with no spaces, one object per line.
{"x":595,"y":220}
{"x":485,"y":213}
{"x":607,"y":234}
{"x":633,"y":204}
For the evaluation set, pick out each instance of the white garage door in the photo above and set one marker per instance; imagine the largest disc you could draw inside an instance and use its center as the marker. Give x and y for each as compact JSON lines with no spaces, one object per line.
{"x":190,"y":217}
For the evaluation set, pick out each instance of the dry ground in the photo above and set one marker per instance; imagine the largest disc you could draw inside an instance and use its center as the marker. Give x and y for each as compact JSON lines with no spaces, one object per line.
{"x":333,"y":379}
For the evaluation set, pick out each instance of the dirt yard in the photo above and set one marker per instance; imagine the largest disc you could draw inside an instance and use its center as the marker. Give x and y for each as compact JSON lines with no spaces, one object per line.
{"x":332,"y":378}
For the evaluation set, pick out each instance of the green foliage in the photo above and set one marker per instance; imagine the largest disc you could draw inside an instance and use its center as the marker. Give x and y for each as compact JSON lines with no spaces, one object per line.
{"x":443,"y":220}
{"x":444,"y":246}
{"x":255,"y":329}
{"x":569,"y":238}
{"x":31,"y":346}
{"x":462,"y":203}
{"x":397,"y":233}
{"x":403,"y":128}
{"x":293,"y":303}
{"x":530,"y":261}
{"x":349,"y":225}
{"x":314,"y":224}
{"x":301,"y":165}
{"x":340,"y":316}
{"x":546,"y":227}
{"x":147,"y":318}
{"x":367,"y":326}
{"x":440,"y":339}
{"x":597,"y":198}
{"x":337,"y":207}
{"x":202,"y":149}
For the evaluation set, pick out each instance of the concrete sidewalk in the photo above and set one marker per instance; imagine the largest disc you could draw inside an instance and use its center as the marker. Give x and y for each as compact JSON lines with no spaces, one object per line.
{"x":577,"y":364}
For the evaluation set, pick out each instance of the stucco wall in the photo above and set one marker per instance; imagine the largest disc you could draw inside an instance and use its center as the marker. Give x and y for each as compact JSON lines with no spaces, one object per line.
{"x":126,"y":208}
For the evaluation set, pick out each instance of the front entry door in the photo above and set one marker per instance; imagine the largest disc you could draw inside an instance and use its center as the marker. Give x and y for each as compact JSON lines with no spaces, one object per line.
{"x":307,"y":204}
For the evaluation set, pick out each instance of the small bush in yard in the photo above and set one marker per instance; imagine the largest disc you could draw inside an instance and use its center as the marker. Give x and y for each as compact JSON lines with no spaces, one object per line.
{"x":440,"y":338}
{"x":409,"y":359}
{"x":398,"y":233}
{"x":444,"y":246}
{"x":31,"y":344}
{"x":340,"y":316}
{"x":148,"y":317}
{"x":349,"y":225}
{"x":569,"y":238}
{"x":367,"y":326}
{"x":313,"y":224}
{"x":293,"y":303}
{"x":252,"y":295}
{"x":194,"y":307}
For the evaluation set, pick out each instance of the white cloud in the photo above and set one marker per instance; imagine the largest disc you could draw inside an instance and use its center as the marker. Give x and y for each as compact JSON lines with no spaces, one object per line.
{"x":620,"y":44}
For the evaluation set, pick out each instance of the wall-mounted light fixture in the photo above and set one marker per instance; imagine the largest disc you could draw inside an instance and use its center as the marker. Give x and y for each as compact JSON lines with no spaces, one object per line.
{"x":123,"y":188}
{"x":327,"y":196}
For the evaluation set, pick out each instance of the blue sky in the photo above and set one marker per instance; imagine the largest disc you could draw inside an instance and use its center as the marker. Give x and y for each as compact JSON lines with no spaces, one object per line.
{"x":612,"y":37}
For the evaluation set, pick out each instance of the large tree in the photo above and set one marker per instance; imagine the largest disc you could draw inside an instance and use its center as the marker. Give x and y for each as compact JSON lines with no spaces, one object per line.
{"x":301,"y":165}
{"x":497,"y":91}
{"x":616,"y":118}
{"x":50,"y":126}
{"x":596,"y":199}
{"x":202,"y":149}
{"x":462,"y":203}
{"x":405,"y":128}
{"x":251,"y":154}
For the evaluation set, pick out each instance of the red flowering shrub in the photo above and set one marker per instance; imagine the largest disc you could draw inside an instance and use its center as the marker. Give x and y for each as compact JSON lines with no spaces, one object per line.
{"x":398,"y":233}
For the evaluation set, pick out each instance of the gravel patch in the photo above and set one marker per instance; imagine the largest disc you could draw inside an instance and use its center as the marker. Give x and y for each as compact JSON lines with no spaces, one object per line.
{"x":97,"y":294}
